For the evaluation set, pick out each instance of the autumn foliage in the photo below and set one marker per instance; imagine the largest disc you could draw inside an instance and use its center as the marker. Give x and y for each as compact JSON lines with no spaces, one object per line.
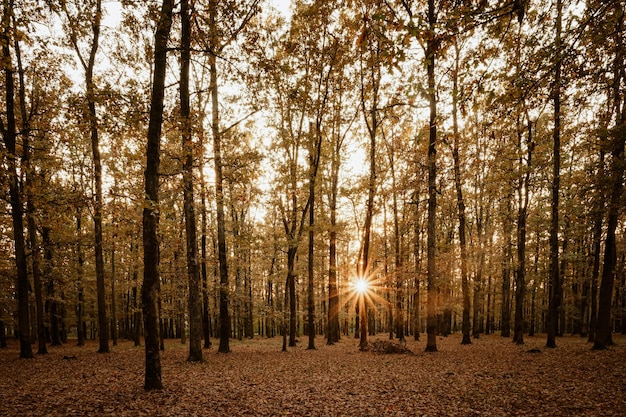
{"x":491,"y":377}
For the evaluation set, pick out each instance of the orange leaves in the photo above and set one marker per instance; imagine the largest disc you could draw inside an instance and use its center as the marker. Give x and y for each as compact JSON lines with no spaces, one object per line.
{"x":492,"y":376}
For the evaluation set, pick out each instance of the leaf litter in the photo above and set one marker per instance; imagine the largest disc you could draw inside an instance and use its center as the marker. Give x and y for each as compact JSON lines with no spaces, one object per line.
{"x":490,"y":377}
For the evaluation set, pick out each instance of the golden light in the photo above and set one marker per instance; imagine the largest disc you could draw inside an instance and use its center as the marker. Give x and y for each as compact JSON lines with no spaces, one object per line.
{"x":361,"y":286}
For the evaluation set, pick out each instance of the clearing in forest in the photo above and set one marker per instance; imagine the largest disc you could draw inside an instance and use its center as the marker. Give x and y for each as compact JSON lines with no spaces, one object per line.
{"x":490,"y":377}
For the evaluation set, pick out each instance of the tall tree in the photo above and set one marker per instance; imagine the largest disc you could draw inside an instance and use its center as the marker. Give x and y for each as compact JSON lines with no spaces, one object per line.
{"x":224,"y":346}
{"x":465,"y":326}
{"x":215,"y":41}
{"x":617,"y":141}
{"x":432,"y":47}
{"x":94,"y":12}
{"x":31,"y":208}
{"x":9,"y":136}
{"x":523,"y":196}
{"x":193,"y":272}
{"x":555,"y":278}
{"x":151,"y":280}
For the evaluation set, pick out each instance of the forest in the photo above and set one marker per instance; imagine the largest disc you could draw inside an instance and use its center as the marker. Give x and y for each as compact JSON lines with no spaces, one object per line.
{"x":204,"y":174}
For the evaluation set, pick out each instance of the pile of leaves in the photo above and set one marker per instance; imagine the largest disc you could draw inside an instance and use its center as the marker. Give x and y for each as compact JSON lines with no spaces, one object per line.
{"x":492,"y":376}
{"x":387,"y":346}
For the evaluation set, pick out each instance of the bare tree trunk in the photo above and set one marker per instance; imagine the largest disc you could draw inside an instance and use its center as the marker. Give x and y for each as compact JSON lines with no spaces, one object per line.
{"x":30,"y":205}
{"x":505,"y":330}
{"x":88,"y":66}
{"x":333,"y":293}
{"x":80,"y":308}
{"x":9,"y":137}
{"x":193,"y":273}
{"x":150,"y":291}
{"x":554,"y":284}
{"x":224,"y":346}
{"x":113,"y":306}
{"x":465,"y":326}
{"x":431,"y":51}
{"x":603,"y":328}
{"x":310,"y":267}
{"x":522,"y":216}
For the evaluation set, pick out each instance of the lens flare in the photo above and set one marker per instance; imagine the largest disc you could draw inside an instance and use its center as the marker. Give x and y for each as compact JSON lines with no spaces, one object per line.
{"x":361,"y":286}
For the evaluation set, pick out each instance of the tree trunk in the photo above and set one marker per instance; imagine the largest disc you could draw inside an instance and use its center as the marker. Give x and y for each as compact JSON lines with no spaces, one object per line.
{"x":598,"y":214}
{"x":617,"y":138}
{"x":150,"y":290}
{"x":399,"y":273}
{"x":522,"y":216}
{"x":88,"y":66}
{"x":9,"y":137}
{"x":603,"y":336}
{"x":193,"y":273}
{"x":30,"y":207}
{"x":114,"y":333}
{"x":311,"y":263}
{"x":465,"y":326}
{"x":80,"y":308}
{"x":505,"y":330}
{"x":224,"y":346}
{"x":333,"y":292}
{"x":291,"y":289}
{"x":432,"y":46}
{"x":206,"y":318}
{"x":554,"y":284}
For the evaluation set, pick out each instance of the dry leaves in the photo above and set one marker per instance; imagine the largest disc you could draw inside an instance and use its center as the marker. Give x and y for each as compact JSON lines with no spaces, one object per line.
{"x":491,"y":377}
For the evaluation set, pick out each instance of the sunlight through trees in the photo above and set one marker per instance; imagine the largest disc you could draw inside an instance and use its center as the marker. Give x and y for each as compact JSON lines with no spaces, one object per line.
{"x":224,"y":170}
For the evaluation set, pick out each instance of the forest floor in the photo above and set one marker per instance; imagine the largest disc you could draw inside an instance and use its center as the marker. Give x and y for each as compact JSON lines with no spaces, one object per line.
{"x":491,"y":377}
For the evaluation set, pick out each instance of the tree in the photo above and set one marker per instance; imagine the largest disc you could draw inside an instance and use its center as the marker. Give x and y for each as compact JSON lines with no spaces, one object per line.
{"x":555,"y":279}
{"x":214,"y":43}
{"x":29,"y":186}
{"x":151,"y":280}
{"x":432,"y":46}
{"x":93,"y":12}
{"x":616,"y":143}
{"x":193,"y":272}
{"x":9,"y":136}
{"x":465,"y":327}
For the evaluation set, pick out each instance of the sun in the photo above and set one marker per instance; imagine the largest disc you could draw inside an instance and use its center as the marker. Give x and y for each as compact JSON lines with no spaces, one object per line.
{"x":361,"y":286}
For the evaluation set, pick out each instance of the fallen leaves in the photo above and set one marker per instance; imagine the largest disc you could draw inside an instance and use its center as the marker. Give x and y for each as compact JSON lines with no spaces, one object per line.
{"x":490,"y":377}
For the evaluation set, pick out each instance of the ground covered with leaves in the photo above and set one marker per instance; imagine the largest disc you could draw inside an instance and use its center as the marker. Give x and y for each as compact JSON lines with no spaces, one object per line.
{"x":492,"y":376}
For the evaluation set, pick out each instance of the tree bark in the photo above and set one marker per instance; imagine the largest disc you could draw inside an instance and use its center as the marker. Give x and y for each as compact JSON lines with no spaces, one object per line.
{"x":333,"y":293}
{"x":80,"y":308}
{"x":554,"y":284}
{"x":193,"y":272}
{"x":150,"y":290}
{"x":30,"y":206}
{"x":88,"y":67}
{"x":431,"y":52}
{"x":17,"y":212}
{"x":224,"y":290}
{"x":465,"y":326}
{"x":522,"y":216}
{"x":603,"y":328}
{"x":505,"y":330}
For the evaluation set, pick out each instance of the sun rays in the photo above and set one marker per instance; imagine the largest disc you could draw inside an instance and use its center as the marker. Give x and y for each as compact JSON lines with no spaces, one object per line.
{"x":369,"y":286}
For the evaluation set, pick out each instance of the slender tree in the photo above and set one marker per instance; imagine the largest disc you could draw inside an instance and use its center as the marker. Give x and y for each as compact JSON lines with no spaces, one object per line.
{"x":617,"y":141}
{"x":193,"y":272}
{"x":432,"y":46}
{"x":9,"y":136}
{"x":465,"y":326}
{"x":88,"y":65}
{"x":151,"y":280}
{"x":555,"y":278}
